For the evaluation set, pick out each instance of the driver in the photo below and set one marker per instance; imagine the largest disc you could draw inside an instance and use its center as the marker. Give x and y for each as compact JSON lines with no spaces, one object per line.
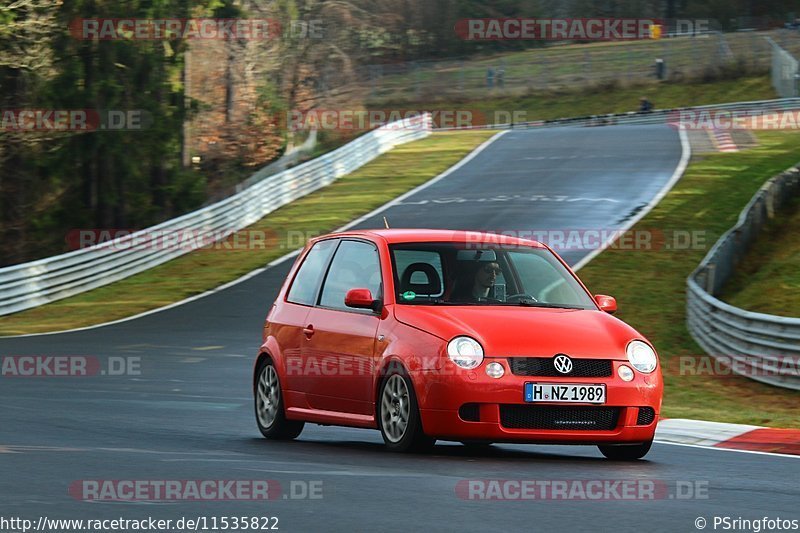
{"x":478,"y":283}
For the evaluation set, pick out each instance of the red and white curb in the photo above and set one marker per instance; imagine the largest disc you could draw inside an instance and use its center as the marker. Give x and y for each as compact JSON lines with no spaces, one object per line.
{"x":724,"y":141}
{"x":729,"y":436}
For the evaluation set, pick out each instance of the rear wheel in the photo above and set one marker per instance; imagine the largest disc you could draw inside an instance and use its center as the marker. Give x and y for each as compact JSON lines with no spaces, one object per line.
{"x":270,"y":415}
{"x":626,"y":452}
{"x":398,"y":415}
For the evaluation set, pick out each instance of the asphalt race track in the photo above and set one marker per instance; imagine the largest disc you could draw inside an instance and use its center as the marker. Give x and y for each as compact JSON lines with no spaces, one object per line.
{"x":189,"y":415}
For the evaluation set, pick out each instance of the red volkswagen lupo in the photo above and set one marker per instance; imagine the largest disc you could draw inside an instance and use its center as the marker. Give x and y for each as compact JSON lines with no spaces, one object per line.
{"x":452,"y":335}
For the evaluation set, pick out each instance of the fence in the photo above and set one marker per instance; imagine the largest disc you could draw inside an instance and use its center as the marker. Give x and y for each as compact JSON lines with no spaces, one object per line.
{"x":33,"y":284}
{"x":564,"y":67}
{"x":764,"y":347}
{"x":784,"y":71}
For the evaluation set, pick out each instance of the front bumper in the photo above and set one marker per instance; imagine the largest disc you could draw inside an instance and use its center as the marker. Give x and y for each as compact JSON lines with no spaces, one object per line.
{"x":442,"y":393}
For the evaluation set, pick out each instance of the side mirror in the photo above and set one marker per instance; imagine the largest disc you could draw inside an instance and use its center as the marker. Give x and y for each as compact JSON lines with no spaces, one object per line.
{"x":361,"y":299}
{"x":606,"y":303}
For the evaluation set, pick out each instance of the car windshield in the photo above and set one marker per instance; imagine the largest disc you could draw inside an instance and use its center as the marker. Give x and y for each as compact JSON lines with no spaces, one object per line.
{"x":485,"y":275}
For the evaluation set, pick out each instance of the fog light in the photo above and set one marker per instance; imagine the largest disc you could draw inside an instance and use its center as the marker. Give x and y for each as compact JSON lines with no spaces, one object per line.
{"x":495,"y":370}
{"x":625,"y":373}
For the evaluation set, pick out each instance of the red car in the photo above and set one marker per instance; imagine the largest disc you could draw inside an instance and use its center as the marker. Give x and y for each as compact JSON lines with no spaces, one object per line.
{"x":452,"y":335}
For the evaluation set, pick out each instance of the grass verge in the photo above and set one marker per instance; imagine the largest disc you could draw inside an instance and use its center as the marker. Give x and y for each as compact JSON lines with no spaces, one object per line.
{"x":351,"y":196}
{"x":587,"y":64}
{"x":561,"y":104}
{"x":651,"y":286}
{"x":768,"y":278}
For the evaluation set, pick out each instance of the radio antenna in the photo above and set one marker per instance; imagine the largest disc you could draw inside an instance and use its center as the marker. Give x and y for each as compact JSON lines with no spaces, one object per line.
{"x":386,"y":223}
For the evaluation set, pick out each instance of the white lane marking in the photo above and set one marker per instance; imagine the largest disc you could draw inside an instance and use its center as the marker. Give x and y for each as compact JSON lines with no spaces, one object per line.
{"x":193,"y":359}
{"x":686,"y":154}
{"x":281,"y":259}
{"x":700,"y":432}
{"x":427,"y":184}
{"x":771,"y":454}
{"x":338,"y":473}
{"x":510,"y":198}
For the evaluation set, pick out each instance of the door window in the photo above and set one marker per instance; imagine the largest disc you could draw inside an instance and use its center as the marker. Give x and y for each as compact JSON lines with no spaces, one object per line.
{"x":355,"y":266}
{"x":306,"y":282}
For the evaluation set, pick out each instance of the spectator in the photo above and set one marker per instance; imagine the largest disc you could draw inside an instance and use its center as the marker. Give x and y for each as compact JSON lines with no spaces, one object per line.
{"x":645,"y":105}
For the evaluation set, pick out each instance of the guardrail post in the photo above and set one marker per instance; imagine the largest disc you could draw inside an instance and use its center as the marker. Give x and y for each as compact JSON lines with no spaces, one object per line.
{"x":711,"y":271}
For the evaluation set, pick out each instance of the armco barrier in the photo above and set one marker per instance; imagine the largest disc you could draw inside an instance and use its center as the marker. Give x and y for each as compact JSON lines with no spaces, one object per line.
{"x":764,"y":347}
{"x":659,"y":116}
{"x":39,"y":282}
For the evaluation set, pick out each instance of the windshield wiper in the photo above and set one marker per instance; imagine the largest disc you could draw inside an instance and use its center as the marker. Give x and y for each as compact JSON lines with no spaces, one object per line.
{"x":441,"y":301}
{"x":526,"y":302}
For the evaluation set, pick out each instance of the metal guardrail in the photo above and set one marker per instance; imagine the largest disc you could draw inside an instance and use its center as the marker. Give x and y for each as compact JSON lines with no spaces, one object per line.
{"x":659,"y":116}
{"x":762,"y":347}
{"x":40,"y":282}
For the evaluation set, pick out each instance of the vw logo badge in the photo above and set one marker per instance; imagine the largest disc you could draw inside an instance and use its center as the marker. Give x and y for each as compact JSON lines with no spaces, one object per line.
{"x":563,"y":364}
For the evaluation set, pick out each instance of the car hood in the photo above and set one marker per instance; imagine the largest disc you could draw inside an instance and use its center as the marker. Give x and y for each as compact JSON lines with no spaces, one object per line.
{"x":526,"y":331}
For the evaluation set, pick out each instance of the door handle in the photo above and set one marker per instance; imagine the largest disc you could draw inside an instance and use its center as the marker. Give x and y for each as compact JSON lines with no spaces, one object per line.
{"x":308,"y":331}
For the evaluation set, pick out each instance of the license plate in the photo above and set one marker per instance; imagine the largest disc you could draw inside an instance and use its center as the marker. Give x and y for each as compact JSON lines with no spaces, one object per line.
{"x":565,"y":393}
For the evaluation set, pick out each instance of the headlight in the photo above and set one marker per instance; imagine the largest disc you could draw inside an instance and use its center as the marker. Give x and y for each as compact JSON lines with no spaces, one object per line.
{"x":641,"y":356}
{"x":465,"y":352}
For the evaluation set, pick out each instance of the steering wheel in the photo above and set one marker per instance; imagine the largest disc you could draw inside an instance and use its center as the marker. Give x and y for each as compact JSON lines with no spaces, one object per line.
{"x":520,"y":296}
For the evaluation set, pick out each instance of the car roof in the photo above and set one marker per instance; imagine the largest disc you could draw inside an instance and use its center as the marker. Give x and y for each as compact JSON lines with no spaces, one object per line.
{"x":397,"y":236}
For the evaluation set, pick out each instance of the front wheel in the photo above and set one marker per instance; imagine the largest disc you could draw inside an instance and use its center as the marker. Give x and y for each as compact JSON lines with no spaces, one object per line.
{"x":398,"y":415}
{"x":626,"y":452}
{"x":270,"y":416}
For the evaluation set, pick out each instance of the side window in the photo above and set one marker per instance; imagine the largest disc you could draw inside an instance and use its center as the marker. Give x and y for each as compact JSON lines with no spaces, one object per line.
{"x":304,"y":286}
{"x":419,"y":268}
{"x":355,"y":266}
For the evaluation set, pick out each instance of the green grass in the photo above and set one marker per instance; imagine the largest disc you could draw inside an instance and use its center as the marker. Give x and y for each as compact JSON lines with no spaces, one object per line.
{"x":768,"y":278}
{"x":552,"y":105}
{"x":574,"y":65}
{"x":351,"y":196}
{"x":650,"y":286}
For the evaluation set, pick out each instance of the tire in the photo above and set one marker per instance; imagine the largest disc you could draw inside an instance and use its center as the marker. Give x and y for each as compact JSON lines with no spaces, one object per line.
{"x":626,"y":452}
{"x":398,"y":415}
{"x":270,"y":415}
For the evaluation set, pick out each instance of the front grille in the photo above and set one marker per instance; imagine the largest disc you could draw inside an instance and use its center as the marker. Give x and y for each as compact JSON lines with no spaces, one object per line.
{"x":543,"y":366}
{"x":470,"y":412}
{"x":646,"y":416}
{"x":514,"y":416}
